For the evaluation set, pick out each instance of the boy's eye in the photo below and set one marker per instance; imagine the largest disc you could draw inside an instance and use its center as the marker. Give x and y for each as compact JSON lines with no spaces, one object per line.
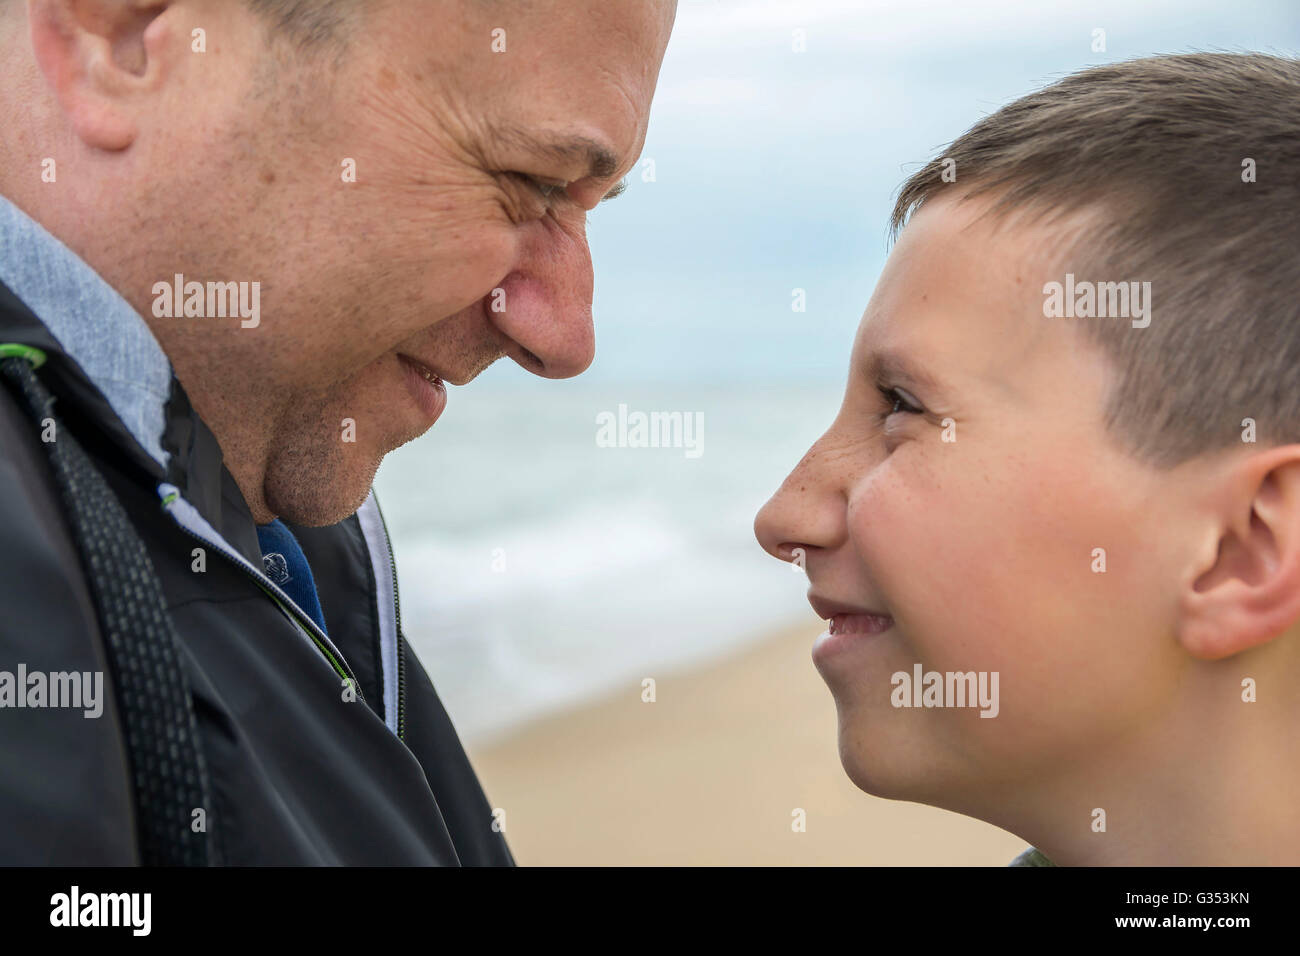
{"x":898,"y":400}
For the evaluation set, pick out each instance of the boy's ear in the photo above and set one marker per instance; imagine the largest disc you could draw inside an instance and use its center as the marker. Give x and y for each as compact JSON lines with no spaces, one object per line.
{"x":97,"y":55}
{"x":1247,"y":590}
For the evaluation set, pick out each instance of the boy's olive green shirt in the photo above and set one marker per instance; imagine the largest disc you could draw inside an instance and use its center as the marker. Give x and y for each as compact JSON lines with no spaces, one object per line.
{"x":1031,"y":857}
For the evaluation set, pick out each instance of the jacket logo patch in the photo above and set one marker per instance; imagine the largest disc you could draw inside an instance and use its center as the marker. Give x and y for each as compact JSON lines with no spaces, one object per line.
{"x":277,"y":568}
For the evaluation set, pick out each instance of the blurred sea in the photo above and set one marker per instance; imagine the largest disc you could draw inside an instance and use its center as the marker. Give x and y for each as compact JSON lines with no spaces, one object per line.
{"x":538,"y":570}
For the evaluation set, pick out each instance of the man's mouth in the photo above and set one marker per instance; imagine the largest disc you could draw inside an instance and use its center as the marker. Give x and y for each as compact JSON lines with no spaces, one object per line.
{"x":429,"y":376}
{"x":426,"y":387}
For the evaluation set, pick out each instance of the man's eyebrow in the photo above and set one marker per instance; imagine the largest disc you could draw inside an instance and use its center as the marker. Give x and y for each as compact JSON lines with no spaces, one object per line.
{"x":617,"y":191}
{"x":601,"y":162}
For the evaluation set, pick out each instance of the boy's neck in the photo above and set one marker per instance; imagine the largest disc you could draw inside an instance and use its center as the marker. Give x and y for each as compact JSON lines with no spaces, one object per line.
{"x":1212,"y":784}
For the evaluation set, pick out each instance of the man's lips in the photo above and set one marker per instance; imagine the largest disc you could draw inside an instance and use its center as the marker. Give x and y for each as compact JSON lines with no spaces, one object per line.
{"x":425,"y":386}
{"x":429,"y":375}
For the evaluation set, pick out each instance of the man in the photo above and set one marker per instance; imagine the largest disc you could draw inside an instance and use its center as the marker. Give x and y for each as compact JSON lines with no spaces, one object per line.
{"x":242,"y":247}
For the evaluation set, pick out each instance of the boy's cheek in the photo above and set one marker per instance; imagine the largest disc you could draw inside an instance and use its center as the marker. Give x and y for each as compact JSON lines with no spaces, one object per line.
{"x":1036,"y":564}
{"x":992,"y":576}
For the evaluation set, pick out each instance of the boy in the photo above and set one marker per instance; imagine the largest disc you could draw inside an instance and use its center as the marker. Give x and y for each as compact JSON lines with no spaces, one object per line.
{"x":1055,"y":526}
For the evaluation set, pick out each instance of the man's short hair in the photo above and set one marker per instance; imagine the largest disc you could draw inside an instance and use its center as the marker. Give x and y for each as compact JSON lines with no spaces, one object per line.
{"x":1191,"y":167}
{"x":310,"y":25}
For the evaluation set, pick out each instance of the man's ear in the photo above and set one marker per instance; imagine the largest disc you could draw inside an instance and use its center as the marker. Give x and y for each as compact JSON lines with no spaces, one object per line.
{"x":97,"y":56}
{"x":1247,"y":588}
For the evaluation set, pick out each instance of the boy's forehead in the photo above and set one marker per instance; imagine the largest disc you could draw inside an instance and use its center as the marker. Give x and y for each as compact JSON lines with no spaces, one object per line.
{"x":960,"y":298}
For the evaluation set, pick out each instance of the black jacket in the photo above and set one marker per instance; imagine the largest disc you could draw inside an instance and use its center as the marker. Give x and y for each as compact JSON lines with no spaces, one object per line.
{"x":298,"y":775}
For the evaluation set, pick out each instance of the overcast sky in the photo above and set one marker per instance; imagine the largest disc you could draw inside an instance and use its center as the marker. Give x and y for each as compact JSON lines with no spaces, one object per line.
{"x":776,"y":169}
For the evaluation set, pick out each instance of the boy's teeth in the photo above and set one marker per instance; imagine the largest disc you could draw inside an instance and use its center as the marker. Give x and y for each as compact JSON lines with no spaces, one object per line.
{"x":860,"y":623}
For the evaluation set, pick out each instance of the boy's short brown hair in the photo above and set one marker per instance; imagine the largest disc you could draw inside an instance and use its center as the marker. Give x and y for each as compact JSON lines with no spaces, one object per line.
{"x":1191,"y":165}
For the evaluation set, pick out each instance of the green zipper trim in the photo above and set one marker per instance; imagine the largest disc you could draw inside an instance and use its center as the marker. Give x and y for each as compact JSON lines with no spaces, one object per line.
{"x":17,"y":350}
{"x":338,"y":668}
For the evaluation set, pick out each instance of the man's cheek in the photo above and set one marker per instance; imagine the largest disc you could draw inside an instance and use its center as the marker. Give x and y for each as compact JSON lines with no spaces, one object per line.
{"x":469,"y":264}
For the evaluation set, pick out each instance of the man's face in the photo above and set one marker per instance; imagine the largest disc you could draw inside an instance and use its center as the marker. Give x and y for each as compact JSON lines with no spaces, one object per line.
{"x":481,"y":134}
{"x":977,"y":553}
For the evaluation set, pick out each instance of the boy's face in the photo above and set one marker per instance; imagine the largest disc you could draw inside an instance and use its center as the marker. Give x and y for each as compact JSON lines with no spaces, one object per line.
{"x":980,"y":549}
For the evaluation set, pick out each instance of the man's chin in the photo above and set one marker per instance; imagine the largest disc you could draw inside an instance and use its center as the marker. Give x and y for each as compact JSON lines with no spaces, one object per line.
{"x":317,"y":494}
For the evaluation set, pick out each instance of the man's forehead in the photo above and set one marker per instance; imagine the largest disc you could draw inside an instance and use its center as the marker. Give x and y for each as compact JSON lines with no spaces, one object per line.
{"x":567,"y":48}
{"x":566,"y":82}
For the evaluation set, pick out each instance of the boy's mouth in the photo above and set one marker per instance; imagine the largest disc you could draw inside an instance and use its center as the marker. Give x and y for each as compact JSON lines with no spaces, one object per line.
{"x":845,"y":619}
{"x":860,"y":623}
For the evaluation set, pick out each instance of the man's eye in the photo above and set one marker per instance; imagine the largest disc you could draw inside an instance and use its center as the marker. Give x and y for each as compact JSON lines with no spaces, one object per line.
{"x":897,"y":400}
{"x":544,"y":190}
{"x":548,"y":190}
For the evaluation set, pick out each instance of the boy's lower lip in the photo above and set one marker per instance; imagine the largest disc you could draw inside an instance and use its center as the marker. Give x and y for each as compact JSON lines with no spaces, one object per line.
{"x":846,"y":630}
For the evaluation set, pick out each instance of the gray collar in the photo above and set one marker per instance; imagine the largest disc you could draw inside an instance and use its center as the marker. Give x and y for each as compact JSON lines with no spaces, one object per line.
{"x":97,"y":328}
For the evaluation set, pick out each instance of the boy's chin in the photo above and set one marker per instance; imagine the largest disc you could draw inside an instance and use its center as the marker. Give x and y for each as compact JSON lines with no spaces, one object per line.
{"x":883,"y":765}
{"x":869,"y":778}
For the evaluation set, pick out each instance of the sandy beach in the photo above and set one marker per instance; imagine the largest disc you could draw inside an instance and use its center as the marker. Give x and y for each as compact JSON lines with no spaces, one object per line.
{"x":709,"y":774}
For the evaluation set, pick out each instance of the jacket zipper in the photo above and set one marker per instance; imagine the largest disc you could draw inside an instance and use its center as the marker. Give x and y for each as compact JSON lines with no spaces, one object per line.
{"x":397,"y":623}
{"x":338,"y":663}
{"x":36,"y":357}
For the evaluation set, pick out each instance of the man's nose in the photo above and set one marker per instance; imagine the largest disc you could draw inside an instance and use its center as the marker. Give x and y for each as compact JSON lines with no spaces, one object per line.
{"x":807,"y":513}
{"x":544,"y":305}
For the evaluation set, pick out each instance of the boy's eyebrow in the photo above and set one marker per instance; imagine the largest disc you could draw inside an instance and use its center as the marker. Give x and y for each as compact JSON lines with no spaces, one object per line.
{"x":895,"y":368}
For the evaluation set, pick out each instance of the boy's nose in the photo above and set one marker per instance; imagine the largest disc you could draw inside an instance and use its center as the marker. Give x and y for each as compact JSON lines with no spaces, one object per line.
{"x":544,"y":306}
{"x":807,"y":512}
